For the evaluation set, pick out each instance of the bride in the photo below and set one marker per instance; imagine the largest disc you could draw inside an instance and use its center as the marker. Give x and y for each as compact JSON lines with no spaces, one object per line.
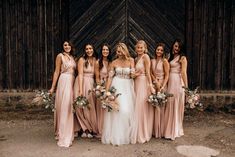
{"x":118,"y":124}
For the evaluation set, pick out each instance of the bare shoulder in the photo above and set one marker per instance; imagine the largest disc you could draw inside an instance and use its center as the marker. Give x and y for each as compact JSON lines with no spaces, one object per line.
{"x":114,"y":62}
{"x":183,"y":59}
{"x":132,"y":60}
{"x":97,"y":62}
{"x":59,"y":55}
{"x":81,"y":60}
{"x":146,"y":56}
{"x":165,"y":60}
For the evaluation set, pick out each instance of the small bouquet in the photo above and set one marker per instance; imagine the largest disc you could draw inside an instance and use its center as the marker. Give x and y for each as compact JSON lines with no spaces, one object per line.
{"x":108,"y":100}
{"x":158,"y":99}
{"x":81,"y":102}
{"x":45,"y":98}
{"x":193,"y":98}
{"x":98,"y":90}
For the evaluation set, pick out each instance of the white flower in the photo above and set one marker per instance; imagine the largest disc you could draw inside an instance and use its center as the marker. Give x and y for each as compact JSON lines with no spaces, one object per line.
{"x":108,"y":93}
{"x":190,"y":100}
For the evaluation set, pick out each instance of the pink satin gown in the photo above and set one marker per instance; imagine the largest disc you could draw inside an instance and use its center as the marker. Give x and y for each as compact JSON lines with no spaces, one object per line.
{"x":174,"y":111}
{"x":143,"y":111}
{"x":87,"y":117}
{"x":158,"y":125}
{"x":99,"y":109}
{"x":63,"y":115}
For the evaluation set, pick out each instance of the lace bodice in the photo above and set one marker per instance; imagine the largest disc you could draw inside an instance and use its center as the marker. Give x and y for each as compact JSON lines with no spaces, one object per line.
{"x":123,"y":72}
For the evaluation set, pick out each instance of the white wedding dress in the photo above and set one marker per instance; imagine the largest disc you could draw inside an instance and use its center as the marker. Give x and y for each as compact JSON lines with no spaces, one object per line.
{"x":118,"y":124}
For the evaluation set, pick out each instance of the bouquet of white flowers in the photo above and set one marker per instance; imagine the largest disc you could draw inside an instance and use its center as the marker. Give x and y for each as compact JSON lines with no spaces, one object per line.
{"x":108,"y":100}
{"x":81,"y":102}
{"x":98,"y":90}
{"x":193,"y":98}
{"x":158,"y":99}
{"x":45,"y":98}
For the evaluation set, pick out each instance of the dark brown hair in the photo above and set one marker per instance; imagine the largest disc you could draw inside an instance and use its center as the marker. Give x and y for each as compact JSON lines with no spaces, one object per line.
{"x":72,"y":47}
{"x":101,"y":56}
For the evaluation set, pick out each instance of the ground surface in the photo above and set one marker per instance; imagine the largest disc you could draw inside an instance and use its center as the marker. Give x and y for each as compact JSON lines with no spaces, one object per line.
{"x":28,"y":131}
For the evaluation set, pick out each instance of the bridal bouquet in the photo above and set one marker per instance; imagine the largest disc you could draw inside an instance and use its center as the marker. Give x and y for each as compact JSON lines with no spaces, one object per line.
{"x":98,"y":90}
{"x":45,"y":98}
{"x":159,"y":99}
{"x":193,"y":98}
{"x":108,"y":100}
{"x":81,"y":102}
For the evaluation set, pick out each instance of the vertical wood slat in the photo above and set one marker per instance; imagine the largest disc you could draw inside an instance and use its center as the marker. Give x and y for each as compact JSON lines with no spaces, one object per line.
{"x":31,"y":33}
{"x":196,"y":42}
{"x":1,"y":46}
{"x":219,"y":40}
{"x":211,"y":54}
{"x":232,"y":47}
{"x":225,"y":78}
{"x":204,"y":46}
{"x":189,"y":37}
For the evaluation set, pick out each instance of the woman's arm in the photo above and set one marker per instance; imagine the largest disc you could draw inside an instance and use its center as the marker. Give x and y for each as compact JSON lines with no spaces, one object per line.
{"x":133,"y":73}
{"x":80,"y":75}
{"x":166,"y":68}
{"x":56,"y":73}
{"x":110,"y":76}
{"x":97,"y":72}
{"x":147,"y":66}
{"x":151,"y":70}
{"x":184,"y":70}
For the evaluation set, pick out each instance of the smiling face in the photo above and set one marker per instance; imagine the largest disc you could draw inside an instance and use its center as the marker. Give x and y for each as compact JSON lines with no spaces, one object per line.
{"x":89,"y":50}
{"x":67,"y":47}
{"x":105,"y":51}
{"x":159,"y":51}
{"x":140,"y":48}
{"x":176,"y":48}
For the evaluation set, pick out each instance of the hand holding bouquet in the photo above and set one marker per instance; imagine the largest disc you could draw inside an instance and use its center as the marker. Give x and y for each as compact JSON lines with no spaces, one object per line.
{"x":45,"y":98}
{"x":159,"y":99}
{"x":98,"y":90}
{"x":81,"y":102}
{"x":193,"y":98}
{"x":108,"y":100}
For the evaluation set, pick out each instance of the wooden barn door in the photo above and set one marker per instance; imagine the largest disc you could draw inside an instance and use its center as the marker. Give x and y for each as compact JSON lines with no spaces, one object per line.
{"x":99,"y":21}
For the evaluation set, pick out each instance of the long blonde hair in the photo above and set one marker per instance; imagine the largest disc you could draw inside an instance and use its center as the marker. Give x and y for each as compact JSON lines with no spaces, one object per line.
{"x":124,"y":50}
{"x":144,"y":43}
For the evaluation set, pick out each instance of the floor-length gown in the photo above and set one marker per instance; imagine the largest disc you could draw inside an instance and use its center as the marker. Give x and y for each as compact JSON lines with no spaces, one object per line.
{"x":158,"y":125}
{"x":118,"y":124}
{"x":143,"y":111}
{"x":99,"y":109}
{"x":63,"y":115}
{"x":87,"y":117}
{"x":77,"y":126}
{"x":174,"y":111}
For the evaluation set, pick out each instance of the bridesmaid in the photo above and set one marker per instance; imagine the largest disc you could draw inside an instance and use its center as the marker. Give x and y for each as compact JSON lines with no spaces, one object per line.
{"x":86,"y":72}
{"x":101,"y":73}
{"x":160,"y":74}
{"x":174,"y":111}
{"x":143,"y":88}
{"x":63,"y":116}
